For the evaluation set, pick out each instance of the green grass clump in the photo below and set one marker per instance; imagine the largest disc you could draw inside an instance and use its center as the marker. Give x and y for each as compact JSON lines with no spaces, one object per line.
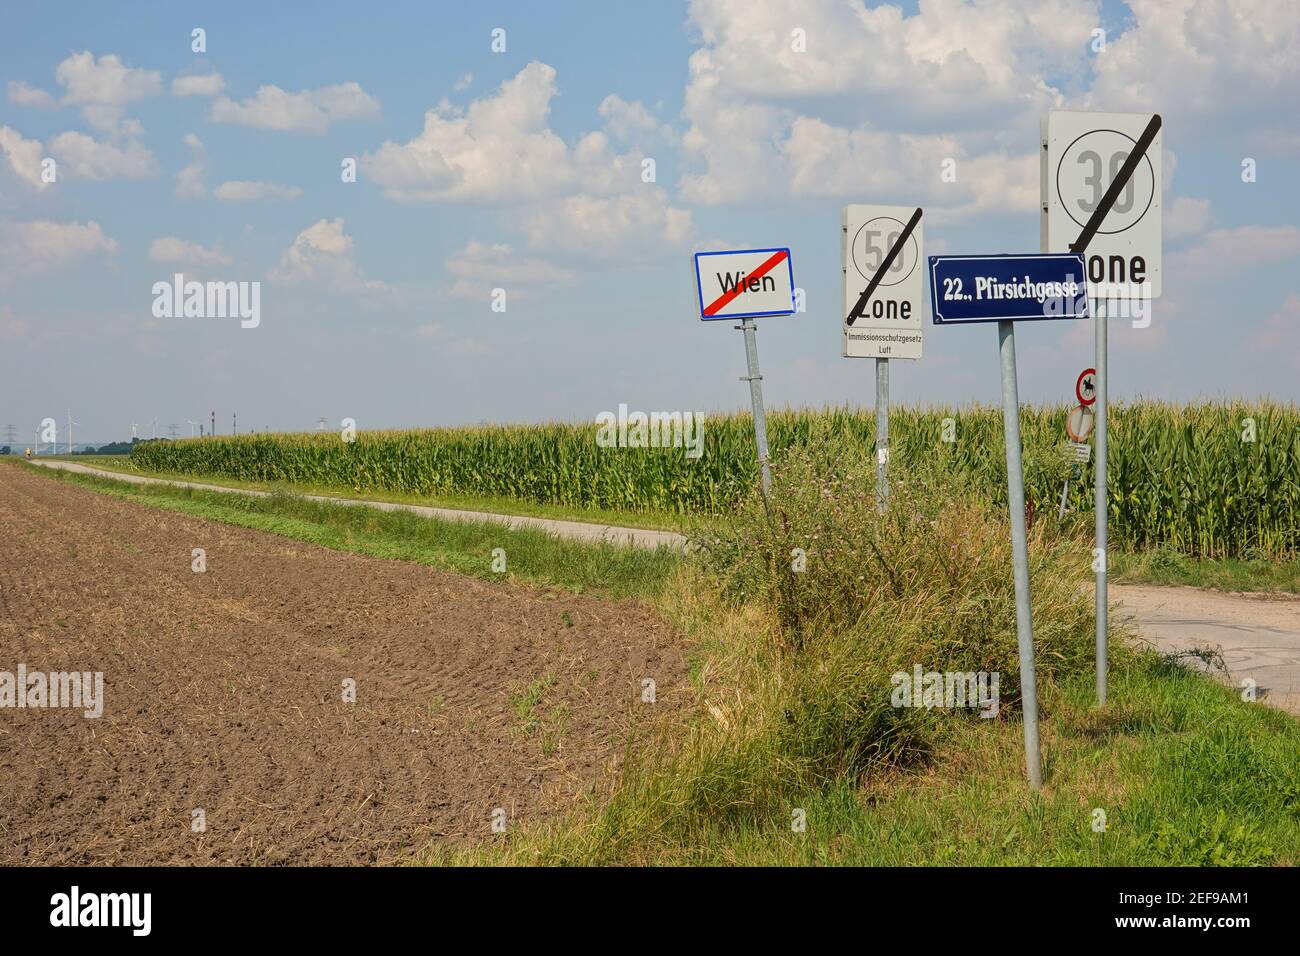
{"x":797,"y":680}
{"x":798,"y":758}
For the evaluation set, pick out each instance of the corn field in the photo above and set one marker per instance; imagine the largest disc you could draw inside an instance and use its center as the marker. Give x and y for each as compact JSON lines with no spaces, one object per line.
{"x":1211,"y":479}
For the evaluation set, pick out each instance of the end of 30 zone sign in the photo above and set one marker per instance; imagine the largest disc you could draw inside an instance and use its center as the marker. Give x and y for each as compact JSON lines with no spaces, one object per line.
{"x":1082,"y":154}
{"x":744,"y":283}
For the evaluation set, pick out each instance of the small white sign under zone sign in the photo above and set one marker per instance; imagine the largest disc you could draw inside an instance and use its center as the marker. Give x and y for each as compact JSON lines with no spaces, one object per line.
{"x":1082,"y":154}
{"x":882,"y":244}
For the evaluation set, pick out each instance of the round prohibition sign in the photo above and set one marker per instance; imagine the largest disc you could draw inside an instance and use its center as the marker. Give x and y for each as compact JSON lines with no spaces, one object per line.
{"x":1087,"y":167}
{"x":1078,"y":425}
{"x":873,"y":240}
{"x":1085,"y":388}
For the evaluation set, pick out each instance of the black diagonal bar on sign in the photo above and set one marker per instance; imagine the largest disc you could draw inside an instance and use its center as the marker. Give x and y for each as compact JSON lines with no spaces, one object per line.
{"x":1080,"y":245}
{"x":893,"y":254}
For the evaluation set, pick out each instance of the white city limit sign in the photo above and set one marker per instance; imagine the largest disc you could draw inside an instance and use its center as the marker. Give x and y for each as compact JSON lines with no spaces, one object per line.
{"x":891,"y":320}
{"x":1082,"y":154}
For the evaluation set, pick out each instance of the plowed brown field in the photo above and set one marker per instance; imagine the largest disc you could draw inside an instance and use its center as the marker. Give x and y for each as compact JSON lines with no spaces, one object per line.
{"x":224,"y":692}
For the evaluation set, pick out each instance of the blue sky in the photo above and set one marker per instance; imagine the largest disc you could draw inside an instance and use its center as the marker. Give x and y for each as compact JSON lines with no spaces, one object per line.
{"x":376,"y":294}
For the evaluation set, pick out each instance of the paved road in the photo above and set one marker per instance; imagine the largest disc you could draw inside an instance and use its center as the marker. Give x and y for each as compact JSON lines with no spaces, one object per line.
{"x":1259,"y":636}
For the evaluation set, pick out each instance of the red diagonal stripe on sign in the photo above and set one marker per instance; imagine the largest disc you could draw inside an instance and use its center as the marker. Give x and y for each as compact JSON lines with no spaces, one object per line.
{"x":768,"y":265}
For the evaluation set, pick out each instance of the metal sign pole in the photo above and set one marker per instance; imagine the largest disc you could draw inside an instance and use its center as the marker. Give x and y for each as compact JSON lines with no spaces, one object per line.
{"x":1020,"y":550}
{"x":882,"y":434}
{"x":1080,"y":245}
{"x":756,"y":399}
{"x":1101,"y":557}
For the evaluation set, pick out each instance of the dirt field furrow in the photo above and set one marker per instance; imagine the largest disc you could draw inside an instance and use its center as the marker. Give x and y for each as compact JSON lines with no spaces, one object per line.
{"x":224,"y":692}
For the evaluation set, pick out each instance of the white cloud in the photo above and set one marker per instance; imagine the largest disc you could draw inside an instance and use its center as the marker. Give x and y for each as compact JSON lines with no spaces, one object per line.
{"x":1279,"y":334}
{"x":499,"y":147}
{"x":105,"y":81}
{"x":171,"y":249}
{"x":734,"y":138}
{"x":189,"y":181}
{"x":24,"y":156}
{"x":950,"y":57}
{"x":322,"y":254}
{"x":638,"y":226}
{"x":1185,"y":217}
{"x":1201,"y":56}
{"x":766,"y":119}
{"x":113,"y":121}
{"x":1226,"y":251}
{"x":463,"y":83}
{"x":89,"y":158}
{"x":310,"y":111}
{"x":582,"y":197}
{"x":198,"y":84}
{"x":768,"y":153}
{"x":29,"y":248}
{"x":102,"y":87}
{"x":480,"y":267}
{"x":821,"y":160}
{"x":628,"y":120}
{"x":20,"y":94}
{"x":244,"y":191}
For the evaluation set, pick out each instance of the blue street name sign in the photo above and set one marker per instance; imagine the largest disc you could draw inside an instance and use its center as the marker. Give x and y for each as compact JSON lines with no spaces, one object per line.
{"x":1007,"y":288}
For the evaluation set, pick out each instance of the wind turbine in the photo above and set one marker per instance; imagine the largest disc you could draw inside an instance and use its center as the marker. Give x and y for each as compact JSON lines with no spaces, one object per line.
{"x":192,"y":424}
{"x":133,"y":427}
{"x":70,"y":424}
{"x":155,"y":428}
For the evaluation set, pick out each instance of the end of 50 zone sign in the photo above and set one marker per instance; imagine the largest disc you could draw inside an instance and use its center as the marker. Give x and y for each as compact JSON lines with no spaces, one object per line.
{"x":882,"y":272}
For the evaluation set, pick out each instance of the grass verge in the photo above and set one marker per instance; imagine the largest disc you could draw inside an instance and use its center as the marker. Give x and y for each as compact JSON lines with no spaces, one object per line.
{"x":532,"y":557}
{"x":1166,"y":566}
{"x":1182,"y":772}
